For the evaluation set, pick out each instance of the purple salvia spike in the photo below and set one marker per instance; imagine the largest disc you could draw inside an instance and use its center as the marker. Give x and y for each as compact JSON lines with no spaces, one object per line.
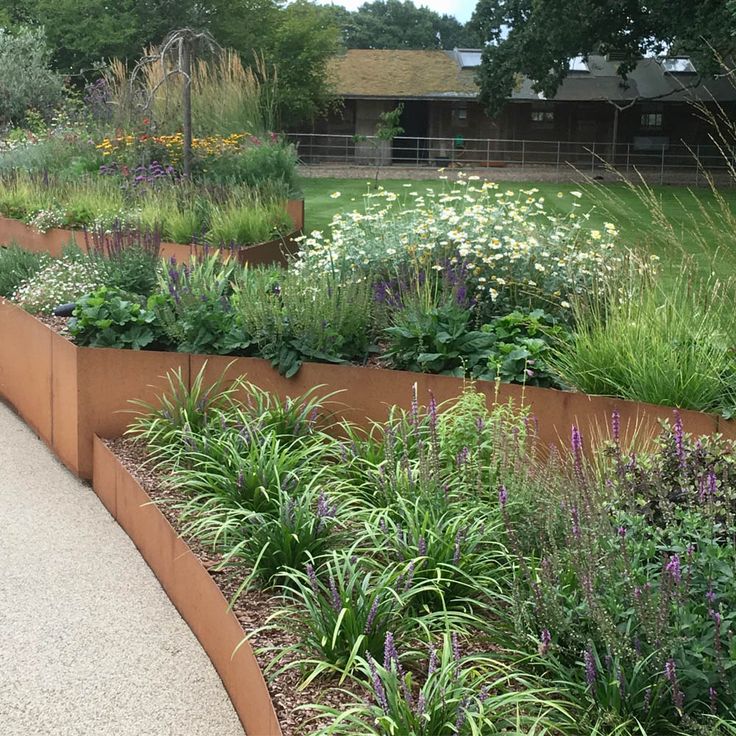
{"x":616,"y":426}
{"x":372,"y":615}
{"x":503,"y":496}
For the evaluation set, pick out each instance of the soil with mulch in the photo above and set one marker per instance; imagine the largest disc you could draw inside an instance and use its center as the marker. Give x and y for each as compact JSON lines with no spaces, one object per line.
{"x":60,"y":325}
{"x":253,"y":609}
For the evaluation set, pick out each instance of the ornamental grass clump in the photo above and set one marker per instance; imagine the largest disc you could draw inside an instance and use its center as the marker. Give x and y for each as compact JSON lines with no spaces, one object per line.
{"x":672,"y":346}
{"x":341,"y":609}
{"x":16,"y":266}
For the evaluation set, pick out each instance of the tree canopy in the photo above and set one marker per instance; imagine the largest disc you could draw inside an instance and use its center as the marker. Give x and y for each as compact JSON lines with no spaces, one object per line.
{"x":397,"y":24}
{"x":538,"y":38}
{"x":297,"y":39}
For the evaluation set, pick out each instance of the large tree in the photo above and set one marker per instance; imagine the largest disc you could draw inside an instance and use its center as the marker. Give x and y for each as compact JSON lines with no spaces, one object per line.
{"x":397,"y":24}
{"x":296,"y":40}
{"x":538,"y":38}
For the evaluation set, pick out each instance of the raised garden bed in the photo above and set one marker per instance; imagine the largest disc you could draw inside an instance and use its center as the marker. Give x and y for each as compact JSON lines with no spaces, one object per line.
{"x":54,"y":241}
{"x":69,"y":394}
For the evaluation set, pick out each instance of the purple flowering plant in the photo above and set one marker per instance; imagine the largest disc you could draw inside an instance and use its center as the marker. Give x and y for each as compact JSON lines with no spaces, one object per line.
{"x":625,"y":603}
{"x":440,"y":691}
{"x":344,"y":609}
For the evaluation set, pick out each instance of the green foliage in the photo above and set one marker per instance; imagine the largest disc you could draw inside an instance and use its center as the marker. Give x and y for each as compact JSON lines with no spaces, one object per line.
{"x":448,"y":694}
{"x":236,"y":223}
{"x":438,"y":339}
{"x":16,"y":266}
{"x":526,"y":37}
{"x":62,"y":281}
{"x":26,"y":82}
{"x":194,"y":309}
{"x":346,"y":610}
{"x":524,"y":345}
{"x":109,"y":318}
{"x":393,"y":24}
{"x":268,"y":164}
{"x":673,"y":348}
{"x":293,"y":317}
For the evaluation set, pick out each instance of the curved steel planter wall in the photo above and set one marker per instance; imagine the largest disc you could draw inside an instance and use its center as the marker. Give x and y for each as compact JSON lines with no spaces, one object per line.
{"x":55,"y":240}
{"x":69,"y":394}
{"x":190,"y":588}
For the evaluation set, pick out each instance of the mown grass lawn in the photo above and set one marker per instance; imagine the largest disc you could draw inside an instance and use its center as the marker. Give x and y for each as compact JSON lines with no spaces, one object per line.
{"x":712,"y":244}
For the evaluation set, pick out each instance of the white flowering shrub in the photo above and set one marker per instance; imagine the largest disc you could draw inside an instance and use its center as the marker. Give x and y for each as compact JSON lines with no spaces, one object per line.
{"x":62,"y":281}
{"x":511,"y":249}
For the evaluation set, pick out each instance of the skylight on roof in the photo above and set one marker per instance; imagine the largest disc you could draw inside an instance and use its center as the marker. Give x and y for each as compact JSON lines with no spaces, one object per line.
{"x":469,"y":58}
{"x":578,"y":64}
{"x":678,"y":65}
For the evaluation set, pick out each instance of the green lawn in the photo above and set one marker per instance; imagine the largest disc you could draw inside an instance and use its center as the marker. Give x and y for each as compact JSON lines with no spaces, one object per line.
{"x":712,"y":244}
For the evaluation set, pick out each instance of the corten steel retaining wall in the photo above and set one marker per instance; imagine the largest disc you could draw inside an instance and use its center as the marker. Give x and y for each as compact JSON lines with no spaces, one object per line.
{"x":55,"y":240}
{"x":69,"y":394}
{"x":191,"y":589}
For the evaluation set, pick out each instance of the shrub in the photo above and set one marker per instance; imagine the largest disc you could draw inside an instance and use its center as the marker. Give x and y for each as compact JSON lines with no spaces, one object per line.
{"x":16,"y":266}
{"x":109,"y":318}
{"x":129,"y":257}
{"x":62,"y":281}
{"x":26,"y":81}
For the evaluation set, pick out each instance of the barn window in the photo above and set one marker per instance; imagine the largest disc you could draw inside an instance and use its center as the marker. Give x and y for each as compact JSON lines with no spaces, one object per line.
{"x":651,"y":120}
{"x":543,"y":116}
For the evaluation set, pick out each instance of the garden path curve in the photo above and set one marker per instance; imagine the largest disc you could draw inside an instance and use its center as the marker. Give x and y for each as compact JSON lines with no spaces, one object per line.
{"x":89,"y":642}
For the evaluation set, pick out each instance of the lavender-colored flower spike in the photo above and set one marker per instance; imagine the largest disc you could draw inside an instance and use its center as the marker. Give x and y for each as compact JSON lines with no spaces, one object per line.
{"x":577,"y":452}
{"x":679,"y":438}
{"x":390,"y":653}
{"x":336,"y":601}
{"x":378,"y":689}
{"x":312,"y":578}
{"x":432,"y":666}
{"x":674,"y":569}
{"x":503,"y":496}
{"x":372,"y":615}
{"x":422,"y":547}
{"x":591,"y":672}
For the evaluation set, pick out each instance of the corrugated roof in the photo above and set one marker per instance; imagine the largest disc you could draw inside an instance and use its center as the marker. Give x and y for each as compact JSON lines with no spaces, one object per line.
{"x":401,"y":74}
{"x":406,"y":74}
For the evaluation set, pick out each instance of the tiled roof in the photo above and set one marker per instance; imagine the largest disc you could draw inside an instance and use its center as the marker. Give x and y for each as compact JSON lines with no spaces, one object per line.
{"x":407,"y":74}
{"x":403,"y":74}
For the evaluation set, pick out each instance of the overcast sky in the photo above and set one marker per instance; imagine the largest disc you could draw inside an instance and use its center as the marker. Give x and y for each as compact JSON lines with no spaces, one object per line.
{"x":461,"y":9}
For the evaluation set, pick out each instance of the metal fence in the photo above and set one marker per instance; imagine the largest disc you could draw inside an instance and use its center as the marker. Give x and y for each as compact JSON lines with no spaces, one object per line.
{"x":653,"y":158}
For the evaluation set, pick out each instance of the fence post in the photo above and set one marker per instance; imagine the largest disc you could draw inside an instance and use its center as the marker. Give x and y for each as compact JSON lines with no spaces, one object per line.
{"x":417,"y":152}
{"x":661,"y":168}
{"x":697,"y":165}
{"x":559,"y":144}
{"x":347,"y":149}
{"x":523,"y":153}
{"x":488,"y":151}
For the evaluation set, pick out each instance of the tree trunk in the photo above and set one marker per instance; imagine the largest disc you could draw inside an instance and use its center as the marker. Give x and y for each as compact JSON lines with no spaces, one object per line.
{"x":186,"y":99}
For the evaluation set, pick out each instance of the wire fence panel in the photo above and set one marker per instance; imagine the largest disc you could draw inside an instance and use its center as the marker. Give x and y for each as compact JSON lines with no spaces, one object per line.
{"x":653,"y":158}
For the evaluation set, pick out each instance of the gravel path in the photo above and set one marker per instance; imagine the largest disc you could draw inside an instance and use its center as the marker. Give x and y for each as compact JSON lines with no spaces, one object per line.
{"x":89,"y":643}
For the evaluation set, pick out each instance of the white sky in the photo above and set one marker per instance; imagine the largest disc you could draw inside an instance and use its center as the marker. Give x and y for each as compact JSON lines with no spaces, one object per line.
{"x":461,"y":9}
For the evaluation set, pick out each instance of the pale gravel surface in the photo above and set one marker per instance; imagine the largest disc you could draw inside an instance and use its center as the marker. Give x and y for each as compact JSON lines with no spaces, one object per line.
{"x":89,"y":643}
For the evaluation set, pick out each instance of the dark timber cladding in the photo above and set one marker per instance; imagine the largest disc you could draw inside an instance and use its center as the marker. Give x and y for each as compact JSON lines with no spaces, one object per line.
{"x":439,"y":94}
